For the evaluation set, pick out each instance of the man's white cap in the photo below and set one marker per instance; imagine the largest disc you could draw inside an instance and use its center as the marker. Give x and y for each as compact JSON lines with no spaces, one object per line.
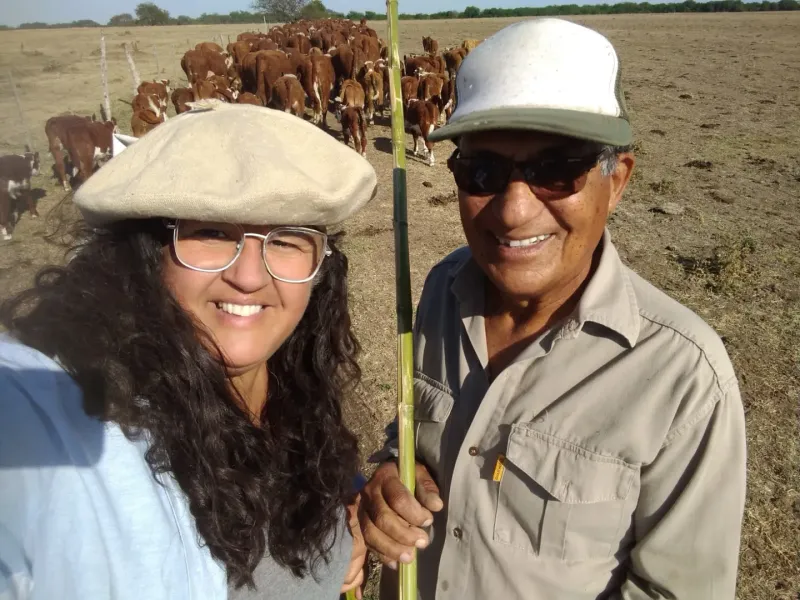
{"x":547,"y":75}
{"x":230,"y":163}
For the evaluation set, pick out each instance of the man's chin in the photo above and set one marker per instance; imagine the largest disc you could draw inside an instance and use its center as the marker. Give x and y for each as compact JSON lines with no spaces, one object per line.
{"x":518,"y":281}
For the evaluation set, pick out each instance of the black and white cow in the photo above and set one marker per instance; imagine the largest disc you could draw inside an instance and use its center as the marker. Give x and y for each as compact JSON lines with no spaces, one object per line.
{"x":16,"y":171}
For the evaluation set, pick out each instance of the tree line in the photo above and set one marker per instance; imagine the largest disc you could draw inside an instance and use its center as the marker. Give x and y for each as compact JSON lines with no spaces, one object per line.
{"x":278,"y":11}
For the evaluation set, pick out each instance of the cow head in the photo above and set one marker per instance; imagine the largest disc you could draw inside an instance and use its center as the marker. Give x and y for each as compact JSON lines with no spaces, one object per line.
{"x":165,"y":83}
{"x":33,"y":160}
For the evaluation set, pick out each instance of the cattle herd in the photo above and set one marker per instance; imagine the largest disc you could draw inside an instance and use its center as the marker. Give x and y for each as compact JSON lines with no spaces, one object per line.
{"x":322,"y":64}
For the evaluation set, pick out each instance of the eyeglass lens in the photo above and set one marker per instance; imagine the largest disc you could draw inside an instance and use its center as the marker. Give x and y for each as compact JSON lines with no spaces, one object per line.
{"x":548,"y":178}
{"x":289,"y":254}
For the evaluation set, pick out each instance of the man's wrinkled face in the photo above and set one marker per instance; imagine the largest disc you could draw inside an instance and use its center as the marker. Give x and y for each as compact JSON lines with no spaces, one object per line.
{"x":533,"y":240}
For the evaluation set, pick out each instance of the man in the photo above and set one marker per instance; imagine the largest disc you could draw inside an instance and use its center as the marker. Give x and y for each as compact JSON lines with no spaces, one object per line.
{"x":579,"y":434}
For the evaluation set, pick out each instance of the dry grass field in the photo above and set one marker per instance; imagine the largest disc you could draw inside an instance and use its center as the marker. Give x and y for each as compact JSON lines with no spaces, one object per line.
{"x":711,"y":216}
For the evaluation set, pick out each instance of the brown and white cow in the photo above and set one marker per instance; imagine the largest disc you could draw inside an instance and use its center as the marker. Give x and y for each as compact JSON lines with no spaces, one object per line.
{"x":420,"y":118}
{"x":263,"y":68}
{"x":56,"y":131}
{"x":209,"y":47}
{"x":90,"y":147}
{"x":180,"y":99}
{"x":198,"y":63}
{"x":453,"y":59}
{"x":149,"y":102}
{"x":435,"y":88}
{"x":299,"y":41}
{"x":159,"y":88}
{"x":16,"y":171}
{"x":318,"y":82}
{"x":288,"y":95}
{"x":147,"y":113}
{"x":351,"y":94}
{"x":430,"y":45}
{"x":222,"y":89}
{"x":342,"y":61}
{"x":238,"y":50}
{"x":470,"y":45}
{"x":409,"y":89}
{"x":372,"y":82}
{"x":353,"y":126}
{"x":411,"y":64}
{"x":143,"y":122}
{"x":248,"y":98}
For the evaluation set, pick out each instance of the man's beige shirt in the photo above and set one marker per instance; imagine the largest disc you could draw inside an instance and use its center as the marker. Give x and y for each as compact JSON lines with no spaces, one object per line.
{"x":622,"y":432}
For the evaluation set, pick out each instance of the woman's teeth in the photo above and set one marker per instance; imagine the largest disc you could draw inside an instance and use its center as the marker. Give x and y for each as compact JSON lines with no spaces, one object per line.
{"x":240,"y":310}
{"x":522,"y":243}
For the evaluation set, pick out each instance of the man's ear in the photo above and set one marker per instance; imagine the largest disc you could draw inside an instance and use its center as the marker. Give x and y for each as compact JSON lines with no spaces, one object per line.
{"x":620,"y":178}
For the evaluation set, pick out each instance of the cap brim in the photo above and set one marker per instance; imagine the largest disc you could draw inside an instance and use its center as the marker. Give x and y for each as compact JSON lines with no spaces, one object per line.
{"x":581,"y":125}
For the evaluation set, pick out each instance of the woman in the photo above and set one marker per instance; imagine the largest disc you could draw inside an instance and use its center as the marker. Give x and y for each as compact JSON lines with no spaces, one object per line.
{"x":170,"y":399}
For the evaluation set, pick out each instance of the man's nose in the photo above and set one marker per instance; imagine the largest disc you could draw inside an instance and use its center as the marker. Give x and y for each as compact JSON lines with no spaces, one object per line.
{"x":516,"y":205}
{"x":249,"y":273}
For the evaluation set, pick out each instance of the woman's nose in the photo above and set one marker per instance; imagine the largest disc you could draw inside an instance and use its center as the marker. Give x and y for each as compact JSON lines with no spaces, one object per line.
{"x":249,"y":272}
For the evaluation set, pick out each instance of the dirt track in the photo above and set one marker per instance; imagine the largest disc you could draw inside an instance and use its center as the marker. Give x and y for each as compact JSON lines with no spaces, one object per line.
{"x":711,"y":216}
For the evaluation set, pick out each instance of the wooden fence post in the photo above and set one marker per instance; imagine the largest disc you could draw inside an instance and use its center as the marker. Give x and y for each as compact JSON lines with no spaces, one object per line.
{"x":104,"y":78}
{"x":132,"y":67}
{"x":158,"y":64}
{"x":19,"y":109}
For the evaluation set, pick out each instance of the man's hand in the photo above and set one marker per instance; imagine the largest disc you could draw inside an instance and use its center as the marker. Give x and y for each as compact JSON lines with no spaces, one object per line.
{"x":355,"y":577}
{"x":391,"y":518}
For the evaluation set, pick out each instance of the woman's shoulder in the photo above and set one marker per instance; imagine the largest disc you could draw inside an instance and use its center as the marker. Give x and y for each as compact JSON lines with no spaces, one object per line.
{"x":60,"y":467}
{"x":42,"y":408}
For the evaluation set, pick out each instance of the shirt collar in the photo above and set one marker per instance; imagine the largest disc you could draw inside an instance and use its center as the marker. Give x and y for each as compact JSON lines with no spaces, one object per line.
{"x":608,"y":300}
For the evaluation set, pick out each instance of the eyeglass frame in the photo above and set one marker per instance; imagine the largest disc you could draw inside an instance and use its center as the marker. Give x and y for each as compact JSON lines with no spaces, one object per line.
{"x":326,"y":249}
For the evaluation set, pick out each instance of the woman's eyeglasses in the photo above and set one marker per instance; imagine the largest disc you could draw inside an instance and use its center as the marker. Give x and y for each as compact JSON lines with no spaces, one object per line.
{"x":291,"y":254}
{"x":551,"y":177}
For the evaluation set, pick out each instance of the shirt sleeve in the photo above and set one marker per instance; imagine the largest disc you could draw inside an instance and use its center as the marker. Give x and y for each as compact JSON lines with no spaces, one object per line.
{"x":688,"y":521}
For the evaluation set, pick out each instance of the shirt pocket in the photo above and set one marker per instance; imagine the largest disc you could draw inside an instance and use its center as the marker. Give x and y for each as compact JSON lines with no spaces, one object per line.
{"x":432,"y":407}
{"x":559,"y":500}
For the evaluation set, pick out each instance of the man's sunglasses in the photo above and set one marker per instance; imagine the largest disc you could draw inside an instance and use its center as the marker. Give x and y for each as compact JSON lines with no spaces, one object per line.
{"x":550,"y":177}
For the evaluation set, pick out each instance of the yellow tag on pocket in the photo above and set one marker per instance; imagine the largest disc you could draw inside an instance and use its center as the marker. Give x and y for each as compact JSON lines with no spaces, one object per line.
{"x":499,"y":467}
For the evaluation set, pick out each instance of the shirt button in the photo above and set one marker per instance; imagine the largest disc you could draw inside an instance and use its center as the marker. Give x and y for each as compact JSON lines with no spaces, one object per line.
{"x":473,"y":451}
{"x":457,"y":533}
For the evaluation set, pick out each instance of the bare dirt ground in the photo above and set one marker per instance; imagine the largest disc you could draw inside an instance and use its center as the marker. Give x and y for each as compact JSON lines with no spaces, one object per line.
{"x":711,"y":216}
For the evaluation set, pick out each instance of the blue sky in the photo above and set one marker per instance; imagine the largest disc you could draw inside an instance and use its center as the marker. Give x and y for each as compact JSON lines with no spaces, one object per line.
{"x":14,"y":12}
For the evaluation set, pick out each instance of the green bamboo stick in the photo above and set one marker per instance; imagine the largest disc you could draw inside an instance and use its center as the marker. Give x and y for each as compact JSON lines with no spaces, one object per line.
{"x":405,"y":353}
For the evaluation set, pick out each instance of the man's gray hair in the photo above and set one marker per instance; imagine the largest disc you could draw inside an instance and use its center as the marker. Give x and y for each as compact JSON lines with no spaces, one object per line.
{"x":608,"y":158}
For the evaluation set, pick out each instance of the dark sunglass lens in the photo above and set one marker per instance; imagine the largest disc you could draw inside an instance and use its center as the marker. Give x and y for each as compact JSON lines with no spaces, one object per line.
{"x":559,"y":175}
{"x":481,"y":176}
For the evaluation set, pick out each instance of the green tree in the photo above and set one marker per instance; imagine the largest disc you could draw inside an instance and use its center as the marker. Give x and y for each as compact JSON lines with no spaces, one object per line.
{"x":183,"y":20}
{"x":315,"y":9}
{"x":472,"y":12}
{"x":148,"y":13}
{"x":122,"y":20}
{"x":283,"y":11}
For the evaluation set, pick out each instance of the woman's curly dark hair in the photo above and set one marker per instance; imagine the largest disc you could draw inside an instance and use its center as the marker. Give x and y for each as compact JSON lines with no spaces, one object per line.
{"x":141,"y":362}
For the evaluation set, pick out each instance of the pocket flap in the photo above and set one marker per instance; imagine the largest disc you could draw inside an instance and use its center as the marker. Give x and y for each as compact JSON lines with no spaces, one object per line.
{"x":431,"y":402}
{"x":568,"y":472}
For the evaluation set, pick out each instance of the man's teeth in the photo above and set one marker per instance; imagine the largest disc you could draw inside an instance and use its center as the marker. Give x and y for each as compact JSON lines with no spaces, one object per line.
{"x":523,"y":243}
{"x":240,"y":310}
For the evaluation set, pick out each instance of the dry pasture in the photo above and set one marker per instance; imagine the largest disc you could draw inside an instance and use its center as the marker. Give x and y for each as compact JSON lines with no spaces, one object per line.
{"x":711,"y":216}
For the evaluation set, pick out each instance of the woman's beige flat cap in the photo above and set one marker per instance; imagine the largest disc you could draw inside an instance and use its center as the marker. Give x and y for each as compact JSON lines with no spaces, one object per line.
{"x":233,"y":163}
